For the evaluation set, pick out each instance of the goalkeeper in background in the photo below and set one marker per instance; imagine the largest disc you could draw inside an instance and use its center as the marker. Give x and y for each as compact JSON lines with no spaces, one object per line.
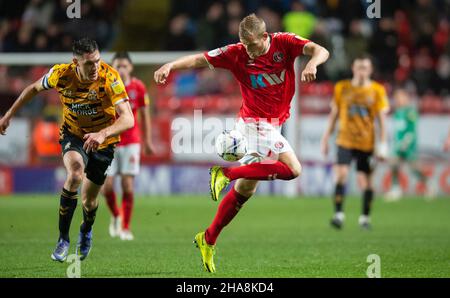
{"x":405,"y":120}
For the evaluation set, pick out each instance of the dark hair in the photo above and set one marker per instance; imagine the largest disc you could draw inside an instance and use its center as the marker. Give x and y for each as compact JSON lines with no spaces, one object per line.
{"x":122,"y":55}
{"x":84,"y":45}
{"x":363,"y":56}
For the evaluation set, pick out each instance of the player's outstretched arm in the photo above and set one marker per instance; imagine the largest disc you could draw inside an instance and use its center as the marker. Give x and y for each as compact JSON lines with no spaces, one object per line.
{"x":318,"y":56}
{"x":27,"y":94}
{"x":332,"y":119}
{"x":186,"y":62}
{"x":124,"y":122}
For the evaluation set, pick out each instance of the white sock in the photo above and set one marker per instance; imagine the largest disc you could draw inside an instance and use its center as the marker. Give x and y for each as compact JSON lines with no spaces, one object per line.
{"x":339,"y":215}
{"x":363,"y":219}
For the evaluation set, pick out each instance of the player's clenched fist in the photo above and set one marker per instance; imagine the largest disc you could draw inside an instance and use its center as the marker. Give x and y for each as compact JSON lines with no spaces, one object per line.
{"x":4,"y":123}
{"x":309,"y":73}
{"x":162,"y":73}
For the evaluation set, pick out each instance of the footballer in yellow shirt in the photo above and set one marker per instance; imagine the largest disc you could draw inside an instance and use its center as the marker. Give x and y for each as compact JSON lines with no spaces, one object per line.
{"x":91,"y":93}
{"x":357,"y":104}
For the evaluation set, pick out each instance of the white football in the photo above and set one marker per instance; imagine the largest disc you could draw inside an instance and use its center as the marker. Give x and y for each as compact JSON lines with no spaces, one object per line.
{"x":231,"y":145}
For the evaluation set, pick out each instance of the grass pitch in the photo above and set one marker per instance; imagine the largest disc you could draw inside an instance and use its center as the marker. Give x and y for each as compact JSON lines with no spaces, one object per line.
{"x":270,"y":237}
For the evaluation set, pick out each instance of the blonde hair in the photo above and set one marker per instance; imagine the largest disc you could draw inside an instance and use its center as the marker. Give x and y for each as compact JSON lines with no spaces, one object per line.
{"x":251,"y":25}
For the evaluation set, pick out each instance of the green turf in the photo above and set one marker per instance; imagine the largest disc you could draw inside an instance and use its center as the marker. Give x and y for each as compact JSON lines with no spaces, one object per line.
{"x":271,"y":237}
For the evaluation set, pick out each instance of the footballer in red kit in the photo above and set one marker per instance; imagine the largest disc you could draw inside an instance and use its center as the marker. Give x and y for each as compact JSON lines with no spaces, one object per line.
{"x":263,"y":65}
{"x":267,"y":83}
{"x":126,"y":162}
{"x":139,"y":99}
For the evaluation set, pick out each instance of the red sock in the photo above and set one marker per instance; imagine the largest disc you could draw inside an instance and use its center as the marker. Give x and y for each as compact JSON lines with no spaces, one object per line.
{"x":227,"y":210}
{"x":127,"y":208}
{"x":112,"y":203}
{"x":260,"y":171}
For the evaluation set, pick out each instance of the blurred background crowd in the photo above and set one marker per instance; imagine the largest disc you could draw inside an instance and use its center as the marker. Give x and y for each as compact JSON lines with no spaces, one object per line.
{"x":409,"y":44}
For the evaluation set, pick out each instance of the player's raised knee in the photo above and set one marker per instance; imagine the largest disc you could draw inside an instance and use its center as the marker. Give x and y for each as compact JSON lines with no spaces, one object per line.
{"x":296,"y":170}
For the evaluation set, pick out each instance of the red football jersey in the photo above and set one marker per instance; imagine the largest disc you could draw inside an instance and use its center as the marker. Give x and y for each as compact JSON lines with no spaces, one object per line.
{"x":137,"y":94}
{"x":267,"y":83}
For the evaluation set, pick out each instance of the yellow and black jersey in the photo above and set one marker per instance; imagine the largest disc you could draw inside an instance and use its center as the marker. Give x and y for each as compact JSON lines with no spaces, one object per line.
{"x":87,"y":107}
{"x":358,"y":107}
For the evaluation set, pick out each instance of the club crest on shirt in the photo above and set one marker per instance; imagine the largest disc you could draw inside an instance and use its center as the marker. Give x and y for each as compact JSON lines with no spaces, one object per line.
{"x":278,"y":56}
{"x":92,"y":95}
{"x":68,"y":93}
{"x":279,"y":145}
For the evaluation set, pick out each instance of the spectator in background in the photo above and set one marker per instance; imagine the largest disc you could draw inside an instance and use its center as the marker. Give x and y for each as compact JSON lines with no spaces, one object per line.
{"x":232,"y":35}
{"x":299,"y":21}
{"x":22,"y":22}
{"x":356,"y":43}
{"x":321,"y":35}
{"x":41,"y":43}
{"x":38,"y":13}
{"x":104,"y":15}
{"x":19,"y":41}
{"x":396,"y":44}
{"x":443,"y":75}
{"x":425,"y":18}
{"x":384,"y":47}
{"x":212,"y":28}
{"x":441,"y":38}
{"x":53,"y":34}
{"x":343,"y":10}
{"x":423,"y":70}
{"x":235,"y":10}
{"x":402,"y":73}
{"x":193,"y":8}
{"x":179,"y":38}
{"x":310,"y":5}
{"x":271,"y":18}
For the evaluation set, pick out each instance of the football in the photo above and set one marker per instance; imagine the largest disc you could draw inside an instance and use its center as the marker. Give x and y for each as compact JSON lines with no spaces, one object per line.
{"x":231,"y":145}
